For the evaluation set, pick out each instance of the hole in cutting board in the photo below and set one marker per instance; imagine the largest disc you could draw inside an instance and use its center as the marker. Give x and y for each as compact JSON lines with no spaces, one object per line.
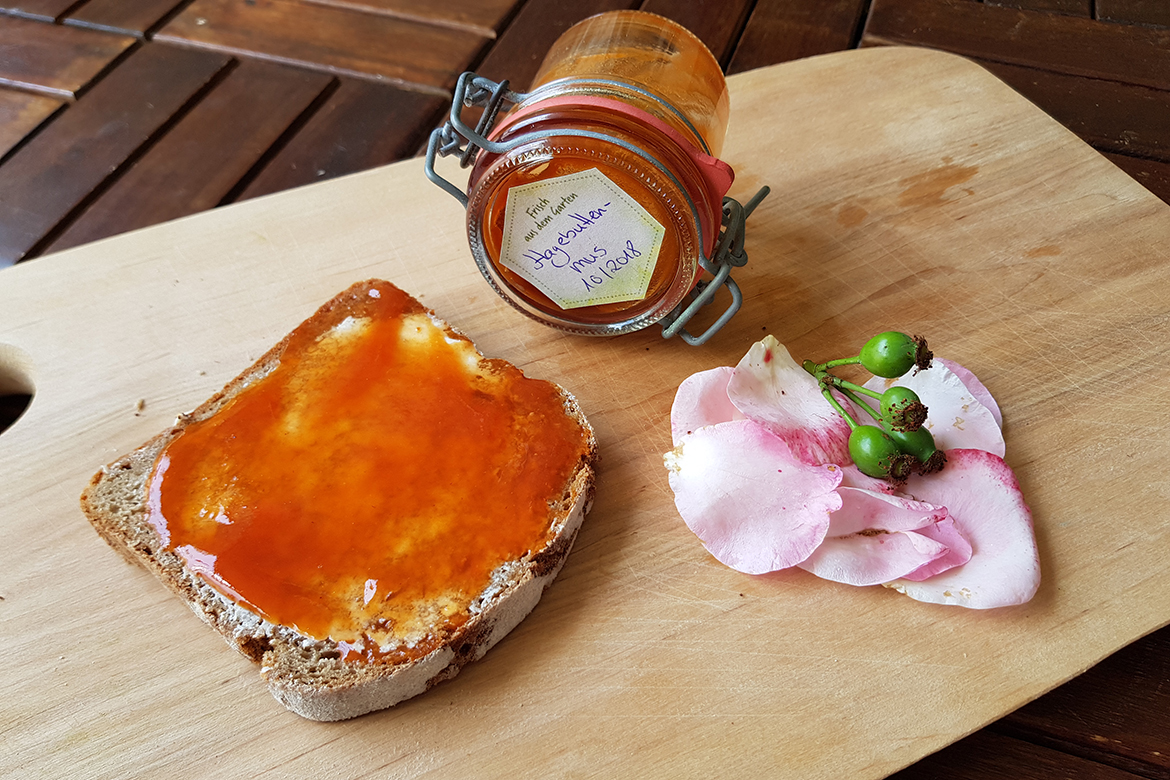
{"x":16,"y":387}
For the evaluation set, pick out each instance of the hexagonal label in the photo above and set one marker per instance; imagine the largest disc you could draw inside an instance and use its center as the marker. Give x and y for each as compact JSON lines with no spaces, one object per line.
{"x":580,"y":239}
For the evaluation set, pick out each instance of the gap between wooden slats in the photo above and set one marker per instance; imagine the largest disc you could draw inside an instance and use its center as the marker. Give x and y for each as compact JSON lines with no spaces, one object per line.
{"x":135,"y":17}
{"x":1156,"y":12}
{"x":45,"y":10}
{"x":386,"y":49}
{"x":361,"y":126}
{"x":483,"y":17}
{"x":66,"y":163}
{"x":1067,"y":44}
{"x":718,"y":25}
{"x":20,"y":114}
{"x":518,"y":52}
{"x":205,"y":154}
{"x":1071,"y":7}
{"x":782,"y":30}
{"x":53,"y":59}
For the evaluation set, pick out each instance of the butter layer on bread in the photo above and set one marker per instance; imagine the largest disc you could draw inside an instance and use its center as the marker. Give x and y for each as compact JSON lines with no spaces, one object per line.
{"x":366,"y":509}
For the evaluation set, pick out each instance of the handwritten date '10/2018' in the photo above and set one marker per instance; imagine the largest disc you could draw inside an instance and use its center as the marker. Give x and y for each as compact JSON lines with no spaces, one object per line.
{"x":607,"y":268}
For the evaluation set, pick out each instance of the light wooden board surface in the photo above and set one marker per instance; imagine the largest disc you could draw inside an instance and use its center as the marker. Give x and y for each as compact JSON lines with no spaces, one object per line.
{"x":911,"y":190}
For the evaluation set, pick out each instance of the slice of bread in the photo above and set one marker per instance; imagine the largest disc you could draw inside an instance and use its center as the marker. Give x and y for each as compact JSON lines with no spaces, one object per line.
{"x":372,"y":652}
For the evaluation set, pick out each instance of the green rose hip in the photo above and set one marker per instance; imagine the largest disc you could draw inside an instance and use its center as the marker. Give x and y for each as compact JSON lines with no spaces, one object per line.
{"x":876,"y":454}
{"x":902,"y":409}
{"x":889,"y":355}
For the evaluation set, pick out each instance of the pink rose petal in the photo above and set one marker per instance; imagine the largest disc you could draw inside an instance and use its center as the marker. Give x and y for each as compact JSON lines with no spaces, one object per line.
{"x":754,"y":506}
{"x":865,"y":510}
{"x":872,"y":560}
{"x":983,"y":497}
{"x":957,"y":420}
{"x":768,"y":386}
{"x":851,"y":476}
{"x":875,"y":538}
{"x":972,"y":383}
{"x":702,"y":400}
{"x":958,"y":552}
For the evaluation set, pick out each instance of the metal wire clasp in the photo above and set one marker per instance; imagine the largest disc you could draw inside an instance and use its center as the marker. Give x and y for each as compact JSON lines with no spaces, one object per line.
{"x":729,"y":253}
{"x":473,"y":90}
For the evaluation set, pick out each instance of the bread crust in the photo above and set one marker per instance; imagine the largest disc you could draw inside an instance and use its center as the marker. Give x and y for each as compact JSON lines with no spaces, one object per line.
{"x":308,"y":675}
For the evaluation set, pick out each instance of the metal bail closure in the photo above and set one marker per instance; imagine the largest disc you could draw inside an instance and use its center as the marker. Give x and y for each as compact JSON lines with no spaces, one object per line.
{"x":473,"y":90}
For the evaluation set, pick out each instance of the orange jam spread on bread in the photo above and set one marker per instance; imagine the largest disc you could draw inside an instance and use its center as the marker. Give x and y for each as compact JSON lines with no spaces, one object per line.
{"x":368,"y":485}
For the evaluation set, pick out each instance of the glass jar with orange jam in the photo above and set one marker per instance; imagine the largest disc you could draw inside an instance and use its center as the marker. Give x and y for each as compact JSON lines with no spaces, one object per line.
{"x":596,"y":202}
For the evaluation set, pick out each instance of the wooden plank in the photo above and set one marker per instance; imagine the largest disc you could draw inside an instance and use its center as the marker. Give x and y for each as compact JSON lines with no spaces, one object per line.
{"x":135,"y":17}
{"x":718,"y":25}
{"x":1067,"y":44}
{"x":202,"y":158}
{"x":783,"y":30}
{"x":361,"y":126}
{"x":1072,"y":7}
{"x":53,"y":59}
{"x":517,"y":54}
{"x":20,"y":114}
{"x":332,"y":39}
{"x":1135,"y":11}
{"x":47,"y":10}
{"x":1151,"y":174}
{"x":50,"y":176}
{"x":986,"y":755}
{"x":484,"y":17}
{"x":1114,"y":714}
{"x":1109,"y":115}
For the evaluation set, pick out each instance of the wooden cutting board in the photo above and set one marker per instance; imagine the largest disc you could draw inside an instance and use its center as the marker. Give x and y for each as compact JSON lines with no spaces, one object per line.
{"x":911,"y":190}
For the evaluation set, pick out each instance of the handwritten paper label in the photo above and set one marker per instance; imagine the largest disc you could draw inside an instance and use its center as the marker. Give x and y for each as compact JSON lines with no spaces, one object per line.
{"x":580,"y":239}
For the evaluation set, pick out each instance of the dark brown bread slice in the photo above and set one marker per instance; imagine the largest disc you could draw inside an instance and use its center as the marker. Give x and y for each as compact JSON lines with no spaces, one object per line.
{"x":308,"y":675}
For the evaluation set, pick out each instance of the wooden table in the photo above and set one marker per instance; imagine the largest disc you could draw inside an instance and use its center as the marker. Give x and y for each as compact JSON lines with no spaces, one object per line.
{"x":118,"y":115}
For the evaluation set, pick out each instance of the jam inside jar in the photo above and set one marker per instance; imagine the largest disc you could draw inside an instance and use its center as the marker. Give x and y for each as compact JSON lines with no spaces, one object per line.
{"x":595,"y":218}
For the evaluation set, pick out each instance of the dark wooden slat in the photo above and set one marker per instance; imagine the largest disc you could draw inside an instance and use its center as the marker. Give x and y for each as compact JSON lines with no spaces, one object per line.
{"x":53,"y":59}
{"x":20,"y":114}
{"x":332,"y":39}
{"x":51,"y":175}
{"x":1083,"y":47}
{"x":783,"y":30}
{"x":1109,"y":115}
{"x":198,"y":162}
{"x":717,"y":25}
{"x":1155,"y":177}
{"x":361,"y":126}
{"x":484,"y":17}
{"x":518,"y":52}
{"x":1072,"y":7}
{"x":1115,"y":713}
{"x":1135,"y":11}
{"x":130,"y":16}
{"x":986,"y":755}
{"x":38,"y":9}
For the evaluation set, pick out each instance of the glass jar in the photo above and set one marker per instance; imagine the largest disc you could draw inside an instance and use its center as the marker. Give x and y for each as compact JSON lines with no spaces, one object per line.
{"x":605,"y":190}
